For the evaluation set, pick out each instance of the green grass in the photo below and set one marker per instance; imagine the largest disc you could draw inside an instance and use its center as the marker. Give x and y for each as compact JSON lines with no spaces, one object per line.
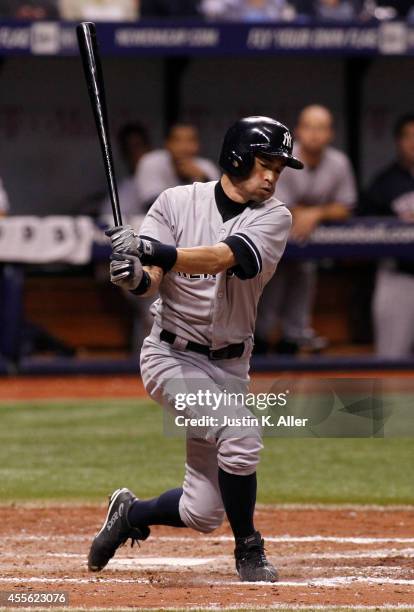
{"x":81,"y":450}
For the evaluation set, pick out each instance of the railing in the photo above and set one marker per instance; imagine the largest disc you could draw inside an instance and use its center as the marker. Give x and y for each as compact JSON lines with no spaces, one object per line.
{"x":77,"y":241}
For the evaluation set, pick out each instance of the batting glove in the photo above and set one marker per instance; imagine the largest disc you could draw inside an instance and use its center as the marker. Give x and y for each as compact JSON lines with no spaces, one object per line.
{"x":124,"y":239}
{"x":126,"y":271}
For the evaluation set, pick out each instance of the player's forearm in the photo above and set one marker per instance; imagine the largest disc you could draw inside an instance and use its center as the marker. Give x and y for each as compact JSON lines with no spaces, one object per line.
{"x":205,"y":260}
{"x":334,"y":212}
{"x":195,"y":260}
{"x":155,"y":274}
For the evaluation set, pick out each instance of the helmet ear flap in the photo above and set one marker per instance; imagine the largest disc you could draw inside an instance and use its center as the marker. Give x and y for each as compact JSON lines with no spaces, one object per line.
{"x":239,"y":164}
{"x":236,"y":163}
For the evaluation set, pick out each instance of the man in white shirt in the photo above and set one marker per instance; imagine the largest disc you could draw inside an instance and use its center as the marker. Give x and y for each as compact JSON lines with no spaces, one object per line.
{"x":324,"y":191}
{"x":134,"y":143}
{"x":177,"y":164}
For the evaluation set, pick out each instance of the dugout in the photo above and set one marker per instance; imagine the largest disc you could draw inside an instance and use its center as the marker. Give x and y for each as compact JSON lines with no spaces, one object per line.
{"x":205,"y":73}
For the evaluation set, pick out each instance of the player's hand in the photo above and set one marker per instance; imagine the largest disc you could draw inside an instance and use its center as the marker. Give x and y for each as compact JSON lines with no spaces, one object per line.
{"x":305,"y":220}
{"x":188,"y":169}
{"x":126,"y":271}
{"x":124,"y":239}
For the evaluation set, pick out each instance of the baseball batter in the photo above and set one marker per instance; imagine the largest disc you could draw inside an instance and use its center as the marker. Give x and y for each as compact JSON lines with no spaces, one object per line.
{"x":209,"y":249}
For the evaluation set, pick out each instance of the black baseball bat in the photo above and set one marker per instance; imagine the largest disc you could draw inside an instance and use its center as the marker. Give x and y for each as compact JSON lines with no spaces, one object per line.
{"x":88,"y":47}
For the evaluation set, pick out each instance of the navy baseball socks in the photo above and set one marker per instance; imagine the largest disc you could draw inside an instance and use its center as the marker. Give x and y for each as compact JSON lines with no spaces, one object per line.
{"x":162,"y":510}
{"x":239,"y":499}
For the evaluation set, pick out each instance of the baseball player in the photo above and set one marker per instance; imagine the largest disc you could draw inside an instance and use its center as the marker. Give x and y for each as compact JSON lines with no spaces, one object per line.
{"x":209,"y":249}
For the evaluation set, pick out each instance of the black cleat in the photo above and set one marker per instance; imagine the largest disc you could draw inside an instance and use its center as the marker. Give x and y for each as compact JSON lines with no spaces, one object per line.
{"x":251,"y":562}
{"x":115,"y":531}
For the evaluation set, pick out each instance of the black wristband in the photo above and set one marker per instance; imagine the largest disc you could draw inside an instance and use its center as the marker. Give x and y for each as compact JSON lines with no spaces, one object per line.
{"x":158,"y":254}
{"x":143,"y":286}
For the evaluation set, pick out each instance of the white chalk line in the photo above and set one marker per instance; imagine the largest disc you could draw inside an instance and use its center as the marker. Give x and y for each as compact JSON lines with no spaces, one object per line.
{"x":64,"y":580}
{"x":407,"y":553}
{"x":161,"y":562}
{"x":22,"y":537}
{"x":149,"y":560}
{"x":323,"y":582}
{"x":299,"y":539}
{"x":315,"y":582}
{"x":359,"y":568}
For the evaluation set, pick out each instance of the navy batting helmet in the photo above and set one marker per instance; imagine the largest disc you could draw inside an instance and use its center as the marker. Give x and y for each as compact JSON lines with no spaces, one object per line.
{"x":253,"y":136}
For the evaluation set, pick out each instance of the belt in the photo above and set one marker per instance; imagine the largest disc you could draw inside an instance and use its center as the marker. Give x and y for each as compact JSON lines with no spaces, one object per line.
{"x":231,"y":351}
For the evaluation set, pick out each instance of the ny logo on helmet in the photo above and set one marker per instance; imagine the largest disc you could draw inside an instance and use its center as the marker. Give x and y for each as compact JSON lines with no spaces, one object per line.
{"x":287,"y":140}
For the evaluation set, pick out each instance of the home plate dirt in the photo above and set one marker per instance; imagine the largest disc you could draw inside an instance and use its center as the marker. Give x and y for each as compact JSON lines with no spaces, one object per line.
{"x":326,"y":557}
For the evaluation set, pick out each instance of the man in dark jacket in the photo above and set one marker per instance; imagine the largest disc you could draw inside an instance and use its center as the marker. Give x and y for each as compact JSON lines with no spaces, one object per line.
{"x":392,"y":194}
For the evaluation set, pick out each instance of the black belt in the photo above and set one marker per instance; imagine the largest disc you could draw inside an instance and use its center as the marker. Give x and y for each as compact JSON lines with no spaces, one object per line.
{"x":231,"y":351}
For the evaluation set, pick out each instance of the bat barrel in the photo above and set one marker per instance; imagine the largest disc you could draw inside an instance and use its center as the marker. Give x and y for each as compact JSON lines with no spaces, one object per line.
{"x":88,"y":47}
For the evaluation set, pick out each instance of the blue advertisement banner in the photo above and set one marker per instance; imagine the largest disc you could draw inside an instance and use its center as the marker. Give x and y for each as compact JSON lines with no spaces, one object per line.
{"x":46,"y":38}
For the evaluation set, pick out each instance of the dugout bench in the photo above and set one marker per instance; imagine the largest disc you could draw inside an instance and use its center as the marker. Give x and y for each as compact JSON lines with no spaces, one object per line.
{"x":79,"y":241}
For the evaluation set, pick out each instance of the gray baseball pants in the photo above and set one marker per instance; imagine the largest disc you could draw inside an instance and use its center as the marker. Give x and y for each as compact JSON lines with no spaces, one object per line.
{"x":393,"y":313}
{"x":164,"y":369}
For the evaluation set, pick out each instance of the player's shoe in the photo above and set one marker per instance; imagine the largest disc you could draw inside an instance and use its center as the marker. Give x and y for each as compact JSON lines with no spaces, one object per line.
{"x":115,"y":531}
{"x":251,"y":562}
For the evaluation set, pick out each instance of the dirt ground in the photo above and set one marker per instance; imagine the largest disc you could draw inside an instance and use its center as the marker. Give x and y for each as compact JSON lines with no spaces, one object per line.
{"x":325,"y":557}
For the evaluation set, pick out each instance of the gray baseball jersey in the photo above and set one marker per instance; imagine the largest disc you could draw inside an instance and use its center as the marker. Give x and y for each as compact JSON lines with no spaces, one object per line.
{"x":156,"y":172}
{"x":216,"y":310}
{"x":331,"y":181}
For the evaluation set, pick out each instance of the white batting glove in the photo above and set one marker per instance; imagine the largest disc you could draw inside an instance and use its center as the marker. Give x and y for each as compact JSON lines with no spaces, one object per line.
{"x":126,"y":271}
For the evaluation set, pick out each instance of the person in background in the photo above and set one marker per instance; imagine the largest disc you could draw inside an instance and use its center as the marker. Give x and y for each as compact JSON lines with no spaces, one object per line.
{"x":4,"y":208}
{"x":4,"y":201}
{"x":134,"y":143}
{"x":177,"y":164}
{"x":99,"y":10}
{"x":169,"y":8}
{"x":247,"y":10}
{"x":402,"y":8}
{"x":29,"y":9}
{"x":391,"y":193}
{"x":324,"y":191}
{"x":33,"y":338}
{"x":329,"y":10}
